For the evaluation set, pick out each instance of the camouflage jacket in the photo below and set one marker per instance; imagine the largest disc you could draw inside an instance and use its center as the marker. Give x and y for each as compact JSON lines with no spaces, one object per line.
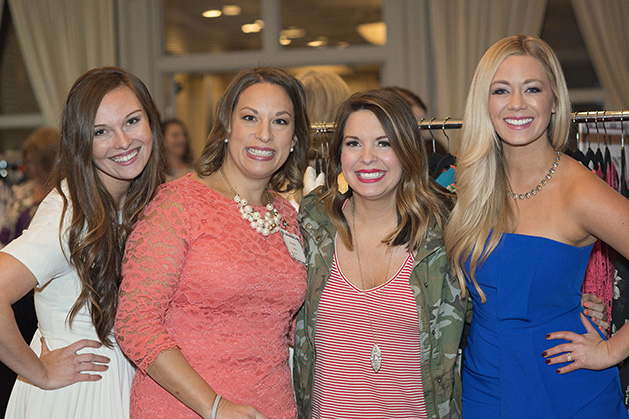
{"x":440,"y":309}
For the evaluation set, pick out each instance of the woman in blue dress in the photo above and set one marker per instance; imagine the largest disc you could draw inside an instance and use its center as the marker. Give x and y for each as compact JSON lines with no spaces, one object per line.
{"x":520,"y":235}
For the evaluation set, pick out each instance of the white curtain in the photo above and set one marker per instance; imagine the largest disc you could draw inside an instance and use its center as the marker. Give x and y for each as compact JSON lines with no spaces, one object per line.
{"x":604,"y":25}
{"x":460,"y":31}
{"x":60,"y":40}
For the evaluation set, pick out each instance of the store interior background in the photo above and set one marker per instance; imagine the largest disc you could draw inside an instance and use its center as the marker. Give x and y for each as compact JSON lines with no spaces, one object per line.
{"x":187,"y":59}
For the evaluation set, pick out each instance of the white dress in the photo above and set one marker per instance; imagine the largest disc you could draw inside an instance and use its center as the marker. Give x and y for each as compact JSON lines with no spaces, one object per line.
{"x":39,"y":249}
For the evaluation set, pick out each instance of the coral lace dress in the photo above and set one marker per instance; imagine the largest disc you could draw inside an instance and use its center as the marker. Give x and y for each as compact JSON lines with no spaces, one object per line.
{"x":197,"y":277}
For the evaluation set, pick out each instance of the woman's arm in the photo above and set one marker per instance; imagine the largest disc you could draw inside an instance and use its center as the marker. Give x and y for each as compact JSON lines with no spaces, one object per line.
{"x":603,"y":213}
{"x":54,"y":369}
{"x":154,"y":256}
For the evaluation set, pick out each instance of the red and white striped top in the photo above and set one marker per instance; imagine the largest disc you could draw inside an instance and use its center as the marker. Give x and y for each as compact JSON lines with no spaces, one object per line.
{"x":345,"y":385}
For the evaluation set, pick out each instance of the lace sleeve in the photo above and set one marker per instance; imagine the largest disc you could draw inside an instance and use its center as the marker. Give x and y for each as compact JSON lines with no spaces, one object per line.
{"x":154,"y":256}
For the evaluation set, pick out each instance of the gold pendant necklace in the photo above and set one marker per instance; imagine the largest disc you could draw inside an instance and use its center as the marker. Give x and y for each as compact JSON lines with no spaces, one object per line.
{"x":375,"y":357}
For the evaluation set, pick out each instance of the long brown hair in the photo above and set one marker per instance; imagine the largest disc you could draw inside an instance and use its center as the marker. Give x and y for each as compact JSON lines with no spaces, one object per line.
{"x":290,"y":176}
{"x":420,"y":201}
{"x":98,"y":228}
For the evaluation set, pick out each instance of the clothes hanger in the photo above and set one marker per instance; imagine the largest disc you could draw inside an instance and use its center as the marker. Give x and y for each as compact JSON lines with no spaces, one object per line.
{"x":434,"y":158}
{"x":599,"y":162}
{"x":607,"y":155}
{"x":578,"y":154}
{"x":447,"y":160}
{"x":590,"y":157}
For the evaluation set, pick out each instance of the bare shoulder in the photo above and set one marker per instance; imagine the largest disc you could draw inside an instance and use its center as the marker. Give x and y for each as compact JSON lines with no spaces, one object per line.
{"x":600,"y":211}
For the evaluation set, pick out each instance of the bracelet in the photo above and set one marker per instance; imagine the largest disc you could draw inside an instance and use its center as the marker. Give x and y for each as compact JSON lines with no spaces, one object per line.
{"x":217,"y":399}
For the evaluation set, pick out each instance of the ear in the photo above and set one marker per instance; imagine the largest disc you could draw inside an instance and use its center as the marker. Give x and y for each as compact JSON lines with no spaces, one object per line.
{"x":292,"y":144}
{"x":553,"y":109}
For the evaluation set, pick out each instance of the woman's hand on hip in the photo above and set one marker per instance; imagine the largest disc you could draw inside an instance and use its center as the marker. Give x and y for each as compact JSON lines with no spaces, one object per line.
{"x":64,"y":366}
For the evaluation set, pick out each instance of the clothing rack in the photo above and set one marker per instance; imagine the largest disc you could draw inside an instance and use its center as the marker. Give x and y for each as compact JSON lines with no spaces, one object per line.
{"x":449,"y":123}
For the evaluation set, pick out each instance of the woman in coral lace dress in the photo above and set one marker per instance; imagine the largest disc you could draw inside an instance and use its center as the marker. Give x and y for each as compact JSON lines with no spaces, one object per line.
{"x":211,"y":283}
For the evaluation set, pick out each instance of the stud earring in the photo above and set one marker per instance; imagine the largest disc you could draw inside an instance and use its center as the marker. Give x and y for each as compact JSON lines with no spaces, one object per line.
{"x":226,"y":140}
{"x":292,"y":149}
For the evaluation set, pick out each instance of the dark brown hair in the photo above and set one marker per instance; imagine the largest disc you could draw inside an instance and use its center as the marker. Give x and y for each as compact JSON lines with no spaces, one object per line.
{"x":290,"y":175}
{"x":98,"y":228}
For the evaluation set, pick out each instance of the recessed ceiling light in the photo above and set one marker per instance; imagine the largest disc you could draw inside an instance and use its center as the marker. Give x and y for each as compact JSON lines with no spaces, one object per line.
{"x":252,"y":27}
{"x":212,"y":13}
{"x":231,"y":10}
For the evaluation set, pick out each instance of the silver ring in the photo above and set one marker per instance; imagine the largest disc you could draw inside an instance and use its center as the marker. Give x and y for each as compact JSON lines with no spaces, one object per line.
{"x":569,"y":357}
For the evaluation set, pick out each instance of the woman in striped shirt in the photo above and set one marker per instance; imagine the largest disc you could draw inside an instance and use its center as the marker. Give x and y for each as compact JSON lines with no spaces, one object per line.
{"x":379,"y":332}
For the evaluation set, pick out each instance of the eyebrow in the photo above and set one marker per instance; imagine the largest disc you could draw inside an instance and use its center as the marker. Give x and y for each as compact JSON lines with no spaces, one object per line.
{"x":256,"y":112}
{"x":357,"y":138}
{"x":125,"y":117}
{"x":527,"y":81}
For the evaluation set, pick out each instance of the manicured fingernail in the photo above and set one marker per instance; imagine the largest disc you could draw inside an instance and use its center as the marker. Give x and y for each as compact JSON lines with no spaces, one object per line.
{"x":548,"y":361}
{"x":585,"y":312}
{"x":558,"y":372}
{"x":544,"y":353}
{"x":586,"y":304}
{"x":547,"y":336}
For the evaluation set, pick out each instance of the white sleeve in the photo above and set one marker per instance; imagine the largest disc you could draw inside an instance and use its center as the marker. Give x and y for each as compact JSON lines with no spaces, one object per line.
{"x":39,"y":247}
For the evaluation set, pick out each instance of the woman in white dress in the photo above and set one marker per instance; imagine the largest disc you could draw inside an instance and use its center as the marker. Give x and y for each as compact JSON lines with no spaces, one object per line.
{"x":109,"y":165}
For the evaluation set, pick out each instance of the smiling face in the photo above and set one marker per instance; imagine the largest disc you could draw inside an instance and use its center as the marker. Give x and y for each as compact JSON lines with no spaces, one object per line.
{"x":122,"y":141}
{"x":369,"y":164}
{"x":521,"y":100}
{"x":262,"y":133}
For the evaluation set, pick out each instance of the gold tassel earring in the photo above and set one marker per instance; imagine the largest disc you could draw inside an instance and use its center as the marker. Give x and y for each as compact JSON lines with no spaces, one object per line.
{"x":343,"y":187}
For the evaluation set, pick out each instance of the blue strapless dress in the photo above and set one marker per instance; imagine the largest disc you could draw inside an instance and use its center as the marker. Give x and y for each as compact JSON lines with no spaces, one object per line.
{"x":533,"y":287}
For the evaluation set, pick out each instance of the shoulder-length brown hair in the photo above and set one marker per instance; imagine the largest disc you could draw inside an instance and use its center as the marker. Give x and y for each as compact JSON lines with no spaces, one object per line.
{"x":290,"y":175}
{"x":420,"y":201}
{"x":98,"y":228}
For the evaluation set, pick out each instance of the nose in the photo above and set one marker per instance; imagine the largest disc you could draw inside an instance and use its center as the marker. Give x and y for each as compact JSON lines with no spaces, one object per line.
{"x":122,"y":141}
{"x":516,"y":101}
{"x":367,"y":155}
{"x":264,"y":133}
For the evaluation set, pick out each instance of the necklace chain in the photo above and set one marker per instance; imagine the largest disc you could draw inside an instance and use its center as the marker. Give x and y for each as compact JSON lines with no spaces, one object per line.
{"x":376,"y":353}
{"x":543,"y":183}
{"x":266,"y":225}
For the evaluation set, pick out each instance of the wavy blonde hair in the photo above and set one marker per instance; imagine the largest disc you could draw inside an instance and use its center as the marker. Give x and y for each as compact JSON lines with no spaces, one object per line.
{"x":482,"y":209}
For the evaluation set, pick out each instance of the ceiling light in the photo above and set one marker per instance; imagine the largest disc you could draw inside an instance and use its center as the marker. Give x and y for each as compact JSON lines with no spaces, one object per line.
{"x":231,"y":10}
{"x":284,"y":40}
{"x":252,"y":27}
{"x":293,"y":32}
{"x":212,"y":13}
{"x":321,"y":41}
{"x":374,"y":33}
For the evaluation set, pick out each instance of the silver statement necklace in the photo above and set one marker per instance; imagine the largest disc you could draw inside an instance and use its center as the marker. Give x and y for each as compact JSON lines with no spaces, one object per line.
{"x":266,"y":225}
{"x":376,"y":354}
{"x":543,"y":183}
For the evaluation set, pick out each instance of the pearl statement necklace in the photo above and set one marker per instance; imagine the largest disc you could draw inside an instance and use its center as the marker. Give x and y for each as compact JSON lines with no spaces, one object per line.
{"x":539,"y":187}
{"x":266,"y":225}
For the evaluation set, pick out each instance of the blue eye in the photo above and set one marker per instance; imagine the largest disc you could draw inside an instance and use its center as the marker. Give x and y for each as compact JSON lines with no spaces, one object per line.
{"x":499,"y":91}
{"x":534,"y":90}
